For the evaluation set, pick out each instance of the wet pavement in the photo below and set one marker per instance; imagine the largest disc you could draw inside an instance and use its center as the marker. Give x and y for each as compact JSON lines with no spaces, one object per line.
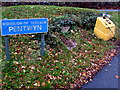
{"x":110,"y":10}
{"x":108,"y":76}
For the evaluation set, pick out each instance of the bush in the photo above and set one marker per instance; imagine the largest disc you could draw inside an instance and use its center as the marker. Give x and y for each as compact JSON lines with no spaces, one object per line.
{"x":89,"y":20}
{"x":84,"y":20}
{"x":58,"y":22}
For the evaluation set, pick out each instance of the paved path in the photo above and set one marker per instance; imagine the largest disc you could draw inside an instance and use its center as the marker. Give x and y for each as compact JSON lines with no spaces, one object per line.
{"x":106,"y":77}
{"x":110,"y":10}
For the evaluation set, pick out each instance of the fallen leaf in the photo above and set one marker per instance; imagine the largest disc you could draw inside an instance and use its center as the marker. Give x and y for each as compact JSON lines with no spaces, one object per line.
{"x":43,"y":84}
{"x":112,"y":54}
{"x":49,"y":81}
{"x":10,"y":43}
{"x":84,"y":74}
{"x":106,"y":70}
{"x":116,"y":76}
{"x":15,"y":62}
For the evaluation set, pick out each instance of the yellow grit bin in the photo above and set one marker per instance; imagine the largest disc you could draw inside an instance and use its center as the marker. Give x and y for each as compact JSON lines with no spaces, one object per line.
{"x":104,"y":28}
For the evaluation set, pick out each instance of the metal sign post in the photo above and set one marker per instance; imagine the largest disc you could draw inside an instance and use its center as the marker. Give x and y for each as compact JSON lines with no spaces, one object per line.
{"x":7,"y":52}
{"x":42,"y":44}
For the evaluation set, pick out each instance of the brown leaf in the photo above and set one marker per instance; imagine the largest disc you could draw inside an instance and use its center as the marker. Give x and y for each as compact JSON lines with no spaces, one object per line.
{"x":37,"y":84}
{"x":112,"y":54}
{"x":43,"y":84}
{"x":84,"y":74}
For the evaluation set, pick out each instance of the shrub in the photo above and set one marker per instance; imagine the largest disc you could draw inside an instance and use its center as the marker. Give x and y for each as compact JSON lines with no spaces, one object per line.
{"x":58,"y":22}
{"x":85,"y":20}
{"x":89,"y":20}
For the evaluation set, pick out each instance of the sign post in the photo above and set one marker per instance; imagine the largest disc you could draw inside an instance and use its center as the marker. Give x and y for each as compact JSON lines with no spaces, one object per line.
{"x":23,"y":26}
{"x":7,"y":52}
{"x":42,"y":44}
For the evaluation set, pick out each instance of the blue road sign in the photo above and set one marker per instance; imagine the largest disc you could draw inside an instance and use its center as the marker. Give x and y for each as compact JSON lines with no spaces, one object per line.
{"x":24,"y":26}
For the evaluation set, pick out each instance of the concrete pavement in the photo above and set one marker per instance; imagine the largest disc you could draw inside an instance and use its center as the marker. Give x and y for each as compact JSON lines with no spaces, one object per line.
{"x":107,"y":77}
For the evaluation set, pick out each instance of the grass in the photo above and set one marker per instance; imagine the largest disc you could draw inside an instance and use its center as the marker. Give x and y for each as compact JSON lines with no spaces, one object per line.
{"x":37,"y":11}
{"x":60,"y":67}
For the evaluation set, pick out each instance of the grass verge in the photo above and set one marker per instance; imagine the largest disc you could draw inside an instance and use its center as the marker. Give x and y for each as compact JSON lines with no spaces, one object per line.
{"x":60,"y":67}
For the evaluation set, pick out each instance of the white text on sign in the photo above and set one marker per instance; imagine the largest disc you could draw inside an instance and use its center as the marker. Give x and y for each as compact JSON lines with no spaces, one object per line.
{"x":24,"y":28}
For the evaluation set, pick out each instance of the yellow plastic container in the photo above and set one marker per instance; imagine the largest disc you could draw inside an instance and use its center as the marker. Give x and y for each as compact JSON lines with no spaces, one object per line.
{"x":104,"y":28}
